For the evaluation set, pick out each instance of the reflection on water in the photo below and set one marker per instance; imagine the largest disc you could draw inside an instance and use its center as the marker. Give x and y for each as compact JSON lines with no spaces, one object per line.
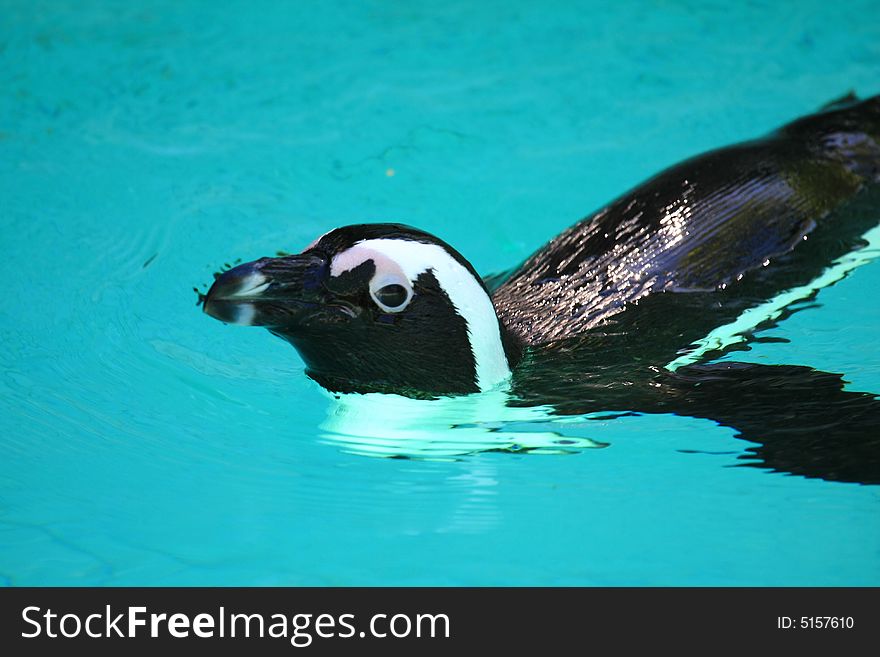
{"x":442,"y":429}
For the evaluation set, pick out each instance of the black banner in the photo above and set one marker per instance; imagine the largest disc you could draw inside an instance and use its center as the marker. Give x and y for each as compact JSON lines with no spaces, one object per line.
{"x":433,"y":620}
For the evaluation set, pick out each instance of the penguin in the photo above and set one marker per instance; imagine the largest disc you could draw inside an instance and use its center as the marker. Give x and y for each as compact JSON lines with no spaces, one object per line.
{"x":375,"y":308}
{"x":622,"y":311}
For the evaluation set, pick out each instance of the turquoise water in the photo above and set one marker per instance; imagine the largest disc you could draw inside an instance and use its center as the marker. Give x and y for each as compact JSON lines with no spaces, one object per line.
{"x":144,"y":145}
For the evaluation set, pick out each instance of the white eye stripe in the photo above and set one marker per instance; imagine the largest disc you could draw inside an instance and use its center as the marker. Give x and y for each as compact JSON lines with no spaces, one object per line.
{"x":358,"y":254}
{"x":388,"y":272}
{"x":410,"y":259}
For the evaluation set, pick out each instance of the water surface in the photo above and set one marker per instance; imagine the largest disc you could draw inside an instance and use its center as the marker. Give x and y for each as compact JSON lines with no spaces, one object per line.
{"x":144,"y":145}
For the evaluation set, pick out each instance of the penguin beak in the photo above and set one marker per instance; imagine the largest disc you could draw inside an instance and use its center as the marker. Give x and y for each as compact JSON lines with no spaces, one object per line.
{"x":267,"y":292}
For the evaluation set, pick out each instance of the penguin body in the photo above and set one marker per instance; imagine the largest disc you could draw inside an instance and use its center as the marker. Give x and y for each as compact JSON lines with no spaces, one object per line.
{"x":698,"y":228}
{"x":617,"y":312}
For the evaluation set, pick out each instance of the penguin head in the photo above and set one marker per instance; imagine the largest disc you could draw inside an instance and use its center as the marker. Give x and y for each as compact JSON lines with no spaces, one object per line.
{"x":374,"y":308}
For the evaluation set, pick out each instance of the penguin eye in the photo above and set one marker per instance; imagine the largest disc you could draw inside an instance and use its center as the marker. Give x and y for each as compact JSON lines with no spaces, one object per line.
{"x":391,"y":298}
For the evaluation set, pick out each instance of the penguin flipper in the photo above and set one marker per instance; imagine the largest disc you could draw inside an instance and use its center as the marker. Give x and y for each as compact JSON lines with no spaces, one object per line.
{"x":698,"y":326}
{"x":740,"y":330}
